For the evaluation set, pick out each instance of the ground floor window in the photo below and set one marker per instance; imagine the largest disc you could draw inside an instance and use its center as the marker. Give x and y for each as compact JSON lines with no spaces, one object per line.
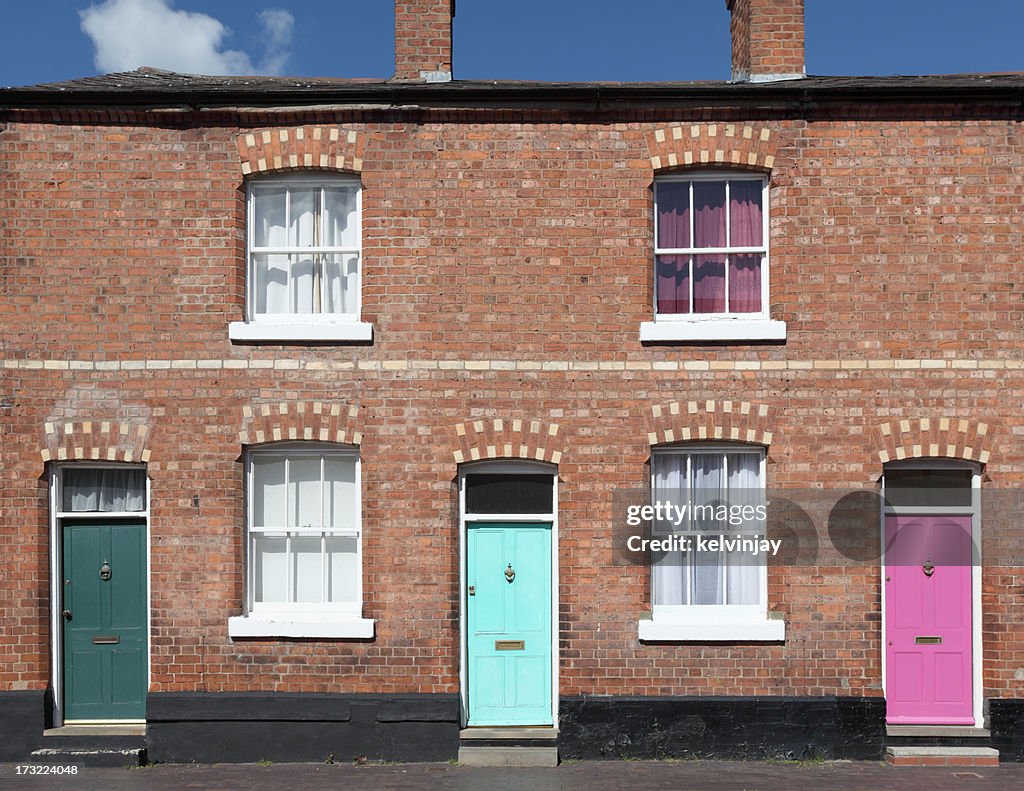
{"x":303,"y":543}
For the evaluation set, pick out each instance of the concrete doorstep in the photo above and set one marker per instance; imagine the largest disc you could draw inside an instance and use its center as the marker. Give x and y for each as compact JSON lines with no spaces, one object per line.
{"x":942,"y":756}
{"x":508,"y":747}
{"x":508,"y":756}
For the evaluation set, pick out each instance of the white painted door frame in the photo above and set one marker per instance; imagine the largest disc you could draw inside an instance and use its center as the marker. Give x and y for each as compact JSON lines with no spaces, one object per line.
{"x":510,"y":467}
{"x":57,"y":517}
{"x":974,"y":511}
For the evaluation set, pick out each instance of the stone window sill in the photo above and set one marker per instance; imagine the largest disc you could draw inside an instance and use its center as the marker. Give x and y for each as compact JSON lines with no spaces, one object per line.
{"x":705,"y":631}
{"x":283,"y":626}
{"x":301,"y":332}
{"x":686,"y":331}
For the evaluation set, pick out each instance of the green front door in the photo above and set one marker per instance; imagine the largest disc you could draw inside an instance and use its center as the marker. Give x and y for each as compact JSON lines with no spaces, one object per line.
{"x":508,"y":581}
{"x":105,"y":642}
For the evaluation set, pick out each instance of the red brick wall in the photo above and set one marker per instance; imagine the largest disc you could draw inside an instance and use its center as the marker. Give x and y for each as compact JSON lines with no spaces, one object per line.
{"x":507,"y":270}
{"x":767,"y":37}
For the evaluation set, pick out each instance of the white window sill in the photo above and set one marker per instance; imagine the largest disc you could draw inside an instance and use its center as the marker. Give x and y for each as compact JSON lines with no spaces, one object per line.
{"x":712,"y":330}
{"x":283,"y":626}
{"x":299,"y":331}
{"x":706,"y":631}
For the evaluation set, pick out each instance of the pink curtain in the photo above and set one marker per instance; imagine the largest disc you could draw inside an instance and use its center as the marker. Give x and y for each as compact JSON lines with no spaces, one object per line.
{"x":709,"y":231}
{"x":745,"y":228}
{"x":709,"y":284}
{"x":673,"y":271}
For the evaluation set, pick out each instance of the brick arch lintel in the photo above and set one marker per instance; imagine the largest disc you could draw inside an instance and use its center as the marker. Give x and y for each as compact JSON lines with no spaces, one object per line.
{"x":710,"y":145}
{"x":302,"y":421}
{"x":301,"y":148}
{"x":928,"y":437}
{"x":507,"y":438}
{"x":710,"y":420}
{"x":96,"y":440}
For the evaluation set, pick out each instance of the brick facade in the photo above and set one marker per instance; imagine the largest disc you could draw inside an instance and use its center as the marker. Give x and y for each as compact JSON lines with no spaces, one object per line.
{"x":124,"y":278}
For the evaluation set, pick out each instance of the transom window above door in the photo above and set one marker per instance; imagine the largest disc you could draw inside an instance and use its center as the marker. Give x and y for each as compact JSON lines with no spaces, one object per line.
{"x":101,"y":489}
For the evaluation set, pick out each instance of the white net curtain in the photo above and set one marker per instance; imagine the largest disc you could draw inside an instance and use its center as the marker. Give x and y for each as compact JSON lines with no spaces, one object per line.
{"x":707,"y":478}
{"x":305,"y":248}
{"x":103,"y":489}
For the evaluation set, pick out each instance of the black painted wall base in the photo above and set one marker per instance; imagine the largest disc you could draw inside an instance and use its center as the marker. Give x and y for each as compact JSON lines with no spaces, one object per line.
{"x":23,"y":716}
{"x":722,"y":727}
{"x":1006,"y":722}
{"x":249,"y":727}
{"x":185,"y":727}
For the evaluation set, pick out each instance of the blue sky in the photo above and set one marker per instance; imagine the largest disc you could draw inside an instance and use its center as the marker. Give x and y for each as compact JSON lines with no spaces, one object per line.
{"x":46,"y":40}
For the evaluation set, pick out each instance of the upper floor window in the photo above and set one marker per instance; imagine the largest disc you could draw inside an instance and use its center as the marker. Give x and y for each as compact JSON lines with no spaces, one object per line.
{"x":711,"y":258}
{"x":711,"y":250}
{"x":304,"y":246}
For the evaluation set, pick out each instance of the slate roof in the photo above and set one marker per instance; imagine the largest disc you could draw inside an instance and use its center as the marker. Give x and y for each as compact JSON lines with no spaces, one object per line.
{"x":153,"y":87}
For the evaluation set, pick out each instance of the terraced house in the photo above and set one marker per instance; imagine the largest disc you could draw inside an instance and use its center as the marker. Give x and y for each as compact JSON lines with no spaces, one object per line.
{"x":323,"y":402}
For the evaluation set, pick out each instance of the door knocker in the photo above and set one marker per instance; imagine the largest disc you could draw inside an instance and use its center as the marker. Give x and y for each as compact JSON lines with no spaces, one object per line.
{"x":928,"y":567}
{"x":105,"y":571}
{"x":510,"y":573}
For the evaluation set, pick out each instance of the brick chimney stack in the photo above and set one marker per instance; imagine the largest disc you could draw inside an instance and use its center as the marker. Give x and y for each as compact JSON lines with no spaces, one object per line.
{"x":767,"y":40}
{"x":423,"y":40}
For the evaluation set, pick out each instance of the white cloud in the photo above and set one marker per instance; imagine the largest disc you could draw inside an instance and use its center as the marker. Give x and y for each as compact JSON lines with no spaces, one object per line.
{"x":132,"y":33}
{"x":277,"y":39}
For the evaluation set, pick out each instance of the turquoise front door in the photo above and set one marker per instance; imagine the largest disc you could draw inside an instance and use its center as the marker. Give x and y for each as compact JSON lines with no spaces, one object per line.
{"x":104,"y":615}
{"x":508,"y":604}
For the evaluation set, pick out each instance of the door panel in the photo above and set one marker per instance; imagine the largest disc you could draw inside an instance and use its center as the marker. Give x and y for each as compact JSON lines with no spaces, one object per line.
{"x":928,"y":620}
{"x":509,"y":623}
{"x":105,"y":639}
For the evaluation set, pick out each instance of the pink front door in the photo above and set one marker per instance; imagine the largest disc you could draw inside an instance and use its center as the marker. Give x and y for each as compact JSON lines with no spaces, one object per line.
{"x":928,"y":620}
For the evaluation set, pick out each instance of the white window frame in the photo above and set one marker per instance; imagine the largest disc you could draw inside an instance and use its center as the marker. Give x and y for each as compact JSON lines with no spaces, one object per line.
{"x":713,"y":622}
{"x":302,"y":619}
{"x":725,"y":326}
{"x":300,"y":326}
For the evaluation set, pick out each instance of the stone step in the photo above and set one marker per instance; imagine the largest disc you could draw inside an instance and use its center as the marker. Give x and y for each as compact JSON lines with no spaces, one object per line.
{"x":509,"y":737}
{"x":489,"y":755}
{"x":942,"y":756}
{"x":132,"y":729}
{"x":90,"y":756}
{"x":938,"y":731}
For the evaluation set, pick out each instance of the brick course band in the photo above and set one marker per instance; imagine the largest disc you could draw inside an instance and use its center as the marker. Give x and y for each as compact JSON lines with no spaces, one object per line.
{"x":727,"y":421}
{"x":696,"y":145}
{"x":292,"y":364}
{"x":96,"y":440}
{"x":502,"y":438}
{"x":301,"y":148}
{"x":301,"y":421}
{"x":947,"y":437}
